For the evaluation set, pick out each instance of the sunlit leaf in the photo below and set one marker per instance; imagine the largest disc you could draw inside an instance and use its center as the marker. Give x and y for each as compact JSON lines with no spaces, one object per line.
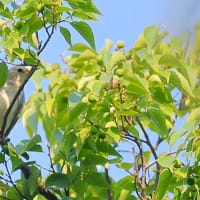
{"x":180,"y":81}
{"x":66,"y":34}
{"x":193,"y":120}
{"x":163,"y":184}
{"x":151,"y":35}
{"x":166,"y":160}
{"x":123,"y":195}
{"x":30,"y":121}
{"x":170,"y":60}
{"x":116,"y":58}
{"x":85,"y":31}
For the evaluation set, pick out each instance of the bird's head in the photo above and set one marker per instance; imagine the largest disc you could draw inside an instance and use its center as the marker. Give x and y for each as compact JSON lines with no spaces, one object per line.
{"x":19,"y":73}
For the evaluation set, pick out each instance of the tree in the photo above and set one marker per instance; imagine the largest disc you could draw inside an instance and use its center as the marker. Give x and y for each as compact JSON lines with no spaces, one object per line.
{"x":148,"y":96}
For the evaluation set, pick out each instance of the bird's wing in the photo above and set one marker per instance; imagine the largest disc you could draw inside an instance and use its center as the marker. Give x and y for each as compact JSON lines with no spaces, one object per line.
{"x":4,"y":103}
{"x":14,"y":114}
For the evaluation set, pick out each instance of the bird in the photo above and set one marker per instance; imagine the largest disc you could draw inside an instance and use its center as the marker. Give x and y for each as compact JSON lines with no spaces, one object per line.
{"x":16,"y":77}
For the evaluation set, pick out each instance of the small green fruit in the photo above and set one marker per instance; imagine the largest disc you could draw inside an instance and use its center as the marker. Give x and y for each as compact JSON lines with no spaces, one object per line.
{"x":190,"y":181}
{"x":18,"y":25}
{"x":40,"y":8}
{"x":102,"y":136}
{"x":120,"y":44}
{"x":177,"y":164}
{"x":119,"y":72}
{"x":99,"y":59}
{"x":92,"y":98}
{"x":93,"y":130}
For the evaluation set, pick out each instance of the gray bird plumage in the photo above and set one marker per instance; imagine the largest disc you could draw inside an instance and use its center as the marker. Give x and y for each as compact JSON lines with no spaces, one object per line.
{"x":16,"y":77}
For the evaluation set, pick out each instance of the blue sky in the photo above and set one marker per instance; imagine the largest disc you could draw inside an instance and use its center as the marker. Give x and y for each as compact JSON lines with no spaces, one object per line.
{"x":123,"y":20}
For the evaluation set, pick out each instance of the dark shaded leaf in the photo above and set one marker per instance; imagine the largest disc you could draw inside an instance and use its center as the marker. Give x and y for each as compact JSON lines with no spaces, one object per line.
{"x":58,"y":180}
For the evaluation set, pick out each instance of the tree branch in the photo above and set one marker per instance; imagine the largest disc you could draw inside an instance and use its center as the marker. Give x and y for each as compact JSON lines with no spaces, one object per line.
{"x":152,"y":150}
{"x":109,"y":191}
{"x":46,"y":193}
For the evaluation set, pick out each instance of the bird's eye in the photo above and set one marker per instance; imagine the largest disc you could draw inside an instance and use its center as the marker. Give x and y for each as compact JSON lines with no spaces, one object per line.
{"x":20,"y":70}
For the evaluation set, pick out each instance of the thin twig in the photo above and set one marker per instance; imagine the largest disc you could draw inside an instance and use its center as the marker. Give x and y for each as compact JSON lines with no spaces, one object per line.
{"x":4,"y":179}
{"x":51,"y":162}
{"x":47,"y":40}
{"x":11,"y":181}
{"x":136,"y":173}
{"x":46,"y":193}
{"x":152,"y":150}
{"x":109,"y":191}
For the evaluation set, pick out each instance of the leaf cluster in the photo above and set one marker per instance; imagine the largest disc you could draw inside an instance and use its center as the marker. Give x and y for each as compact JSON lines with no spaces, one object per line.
{"x":147,"y":96}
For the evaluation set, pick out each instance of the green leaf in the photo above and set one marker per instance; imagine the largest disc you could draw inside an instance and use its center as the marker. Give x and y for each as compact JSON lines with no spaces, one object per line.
{"x":35,"y":23}
{"x":32,"y":181}
{"x":169,"y":60}
{"x":30,"y":121}
{"x":16,"y":162}
{"x":6,"y":2}
{"x":76,"y":111}
{"x":127,"y":183}
{"x":5,"y":13}
{"x":3,"y":73}
{"x":29,"y":145}
{"x":124,"y":194}
{"x":151,"y":35}
{"x":135,"y":85}
{"x":81,"y":139}
{"x":157,"y":121}
{"x":26,"y":13}
{"x":66,"y":34}
{"x":193,"y":120}
{"x":175,"y":136}
{"x":85,"y":31}
{"x":20,"y":52}
{"x":62,"y":9}
{"x":163,"y":183}
{"x":142,"y":53}
{"x":182,"y":172}
{"x":96,"y":179}
{"x":116,"y":58}
{"x":178,"y":80}
{"x":2,"y":157}
{"x":125,"y":165}
{"x":166,"y":160}
{"x":103,"y":146}
{"x":59,"y":180}
{"x":94,"y":160}
{"x":79,"y":47}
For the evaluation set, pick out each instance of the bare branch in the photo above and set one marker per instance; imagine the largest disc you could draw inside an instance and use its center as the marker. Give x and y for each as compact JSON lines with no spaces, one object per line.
{"x":109,"y":191}
{"x":152,"y":150}
{"x":46,"y":193}
{"x":51,"y":162}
